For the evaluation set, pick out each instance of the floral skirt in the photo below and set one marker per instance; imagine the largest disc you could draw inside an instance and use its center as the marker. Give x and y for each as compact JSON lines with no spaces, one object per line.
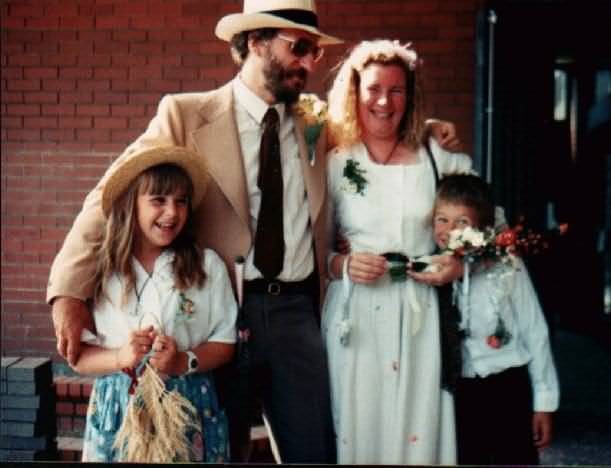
{"x":108,"y":404}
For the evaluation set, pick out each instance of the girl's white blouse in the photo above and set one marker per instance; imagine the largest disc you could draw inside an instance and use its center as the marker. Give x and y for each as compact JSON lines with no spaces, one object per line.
{"x":156,"y":301}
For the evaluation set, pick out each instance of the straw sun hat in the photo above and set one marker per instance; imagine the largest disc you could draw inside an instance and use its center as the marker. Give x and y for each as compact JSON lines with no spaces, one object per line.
{"x":132,"y":166}
{"x":283,"y":14}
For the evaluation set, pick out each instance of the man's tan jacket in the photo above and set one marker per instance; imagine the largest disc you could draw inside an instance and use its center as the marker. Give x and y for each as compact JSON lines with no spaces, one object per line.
{"x":204,"y":123}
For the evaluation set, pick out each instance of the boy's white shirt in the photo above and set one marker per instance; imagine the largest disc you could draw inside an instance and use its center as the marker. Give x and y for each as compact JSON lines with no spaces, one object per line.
{"x":510,"y":293}
{"x":214,"y":306}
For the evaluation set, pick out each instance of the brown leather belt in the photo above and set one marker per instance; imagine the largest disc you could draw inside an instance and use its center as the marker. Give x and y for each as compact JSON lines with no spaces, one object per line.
{"x":277,"y":287}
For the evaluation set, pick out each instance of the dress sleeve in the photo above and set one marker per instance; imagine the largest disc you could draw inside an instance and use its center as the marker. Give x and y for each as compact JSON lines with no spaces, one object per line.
{"x":222,"y":304}
{"x":535,"y":337}
{"x":76,"y":258}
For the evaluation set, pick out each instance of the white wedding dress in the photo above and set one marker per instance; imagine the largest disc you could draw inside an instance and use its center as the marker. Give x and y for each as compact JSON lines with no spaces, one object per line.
{"x":388,"y":406}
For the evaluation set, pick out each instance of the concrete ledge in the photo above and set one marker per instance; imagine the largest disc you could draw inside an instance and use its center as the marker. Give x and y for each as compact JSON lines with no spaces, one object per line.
{"x":258,"y":434}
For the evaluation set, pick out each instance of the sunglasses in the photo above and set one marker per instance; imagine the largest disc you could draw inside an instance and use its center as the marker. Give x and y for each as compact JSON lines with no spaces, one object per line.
{"x":302,"y":47}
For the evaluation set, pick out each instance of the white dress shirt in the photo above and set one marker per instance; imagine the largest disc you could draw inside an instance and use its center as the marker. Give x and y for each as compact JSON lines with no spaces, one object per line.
{"x":298,"y":248}
{"x":156,"y":301}
{"x":507,"y":292}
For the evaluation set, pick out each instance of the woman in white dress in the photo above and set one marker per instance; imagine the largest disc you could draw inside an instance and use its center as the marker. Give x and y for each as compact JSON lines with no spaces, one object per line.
{"x":382,"y":336}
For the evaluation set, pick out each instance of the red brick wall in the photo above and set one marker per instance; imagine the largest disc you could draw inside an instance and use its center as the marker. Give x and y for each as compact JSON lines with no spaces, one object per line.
{"x":81,"y":79}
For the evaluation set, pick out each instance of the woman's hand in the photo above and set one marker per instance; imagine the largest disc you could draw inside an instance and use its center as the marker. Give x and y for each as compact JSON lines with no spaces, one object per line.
{"x":447,"y":269}
{"x":444,"y":133}
{"x":167,"y":358}
{"x":365,"y":268}
{"x":138,"y":345}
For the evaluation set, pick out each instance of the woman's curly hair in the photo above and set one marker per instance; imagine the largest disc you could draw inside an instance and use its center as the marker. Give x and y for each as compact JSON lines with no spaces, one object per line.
{"x":343,"y":95}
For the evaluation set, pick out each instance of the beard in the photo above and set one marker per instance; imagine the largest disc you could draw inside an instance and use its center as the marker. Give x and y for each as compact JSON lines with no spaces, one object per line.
{"x":282,"y":82}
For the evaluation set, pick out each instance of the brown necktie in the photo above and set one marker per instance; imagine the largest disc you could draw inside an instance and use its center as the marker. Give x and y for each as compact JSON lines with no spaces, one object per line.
{"x":269,"y":239}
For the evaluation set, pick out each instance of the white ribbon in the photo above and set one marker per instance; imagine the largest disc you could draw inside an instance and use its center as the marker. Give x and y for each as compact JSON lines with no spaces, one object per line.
{"x":465,"y":309}
{"x":346,"y":293}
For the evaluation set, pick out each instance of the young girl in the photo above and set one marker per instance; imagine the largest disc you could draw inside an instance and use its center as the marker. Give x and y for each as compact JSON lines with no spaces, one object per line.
{"x":509,"y":388}
{"x":155,"y":290}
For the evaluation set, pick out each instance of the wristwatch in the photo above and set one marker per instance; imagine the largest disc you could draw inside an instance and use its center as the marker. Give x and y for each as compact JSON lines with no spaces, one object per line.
{"x":192,"y":362}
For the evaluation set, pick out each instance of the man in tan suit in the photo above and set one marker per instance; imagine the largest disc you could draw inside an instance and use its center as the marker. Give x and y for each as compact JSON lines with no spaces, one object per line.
{"x":276,"y":43}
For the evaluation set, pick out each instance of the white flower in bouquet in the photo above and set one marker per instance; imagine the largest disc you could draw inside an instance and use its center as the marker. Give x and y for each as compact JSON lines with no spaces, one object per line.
{"x":473,"y":237}
{"x":455,"y":241}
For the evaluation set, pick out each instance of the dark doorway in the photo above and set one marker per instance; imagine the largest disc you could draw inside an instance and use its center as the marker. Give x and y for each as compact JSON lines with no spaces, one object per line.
{"x":543,"y":140}
{"x":548,"y":156}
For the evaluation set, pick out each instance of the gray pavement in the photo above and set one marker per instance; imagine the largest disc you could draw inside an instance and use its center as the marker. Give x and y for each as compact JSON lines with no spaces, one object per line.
{"x":583,"y":421}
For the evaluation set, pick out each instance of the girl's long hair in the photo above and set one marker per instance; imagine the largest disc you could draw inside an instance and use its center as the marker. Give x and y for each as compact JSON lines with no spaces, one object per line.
{"x":116,"y":250}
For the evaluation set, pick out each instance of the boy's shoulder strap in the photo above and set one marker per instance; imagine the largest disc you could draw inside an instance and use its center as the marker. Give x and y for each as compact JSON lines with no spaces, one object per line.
{"x":427,"y":146}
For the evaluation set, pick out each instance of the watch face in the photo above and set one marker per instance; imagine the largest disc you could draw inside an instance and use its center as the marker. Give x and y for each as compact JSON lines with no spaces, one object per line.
{"x":193,"y":363}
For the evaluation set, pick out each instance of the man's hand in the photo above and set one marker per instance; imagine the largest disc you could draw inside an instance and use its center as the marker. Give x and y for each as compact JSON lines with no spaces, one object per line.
{"x":542,"y":429}
{"x":445,"y":134}
{"x":447,"y":268}
{"x":70,"y":316}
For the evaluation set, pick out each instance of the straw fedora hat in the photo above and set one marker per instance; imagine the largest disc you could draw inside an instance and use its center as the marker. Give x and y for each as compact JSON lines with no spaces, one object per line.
{"x":289,"y":14}
{"x":131,"y":167}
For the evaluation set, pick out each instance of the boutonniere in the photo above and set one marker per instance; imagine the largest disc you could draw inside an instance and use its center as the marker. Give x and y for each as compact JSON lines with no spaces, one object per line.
{"x":500,"y":337}
{"x":314,"y":113}
{"x":186,"y":308}
{"x":354,"y":181}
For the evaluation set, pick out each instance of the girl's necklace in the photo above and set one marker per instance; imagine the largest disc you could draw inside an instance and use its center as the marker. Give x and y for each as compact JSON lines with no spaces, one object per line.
{"x":139,"y":293}
{"x":385,"y":161}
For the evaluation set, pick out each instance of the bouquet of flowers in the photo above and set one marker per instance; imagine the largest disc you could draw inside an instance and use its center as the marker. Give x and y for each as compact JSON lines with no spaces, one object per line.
{"x":314,"y":112}
{"x":498,"y":245}
{"x":504,"y":244}
{"x":157,"y":420}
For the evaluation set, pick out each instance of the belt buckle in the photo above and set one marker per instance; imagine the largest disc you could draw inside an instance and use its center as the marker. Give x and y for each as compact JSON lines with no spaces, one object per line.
{"x":273,"y":288}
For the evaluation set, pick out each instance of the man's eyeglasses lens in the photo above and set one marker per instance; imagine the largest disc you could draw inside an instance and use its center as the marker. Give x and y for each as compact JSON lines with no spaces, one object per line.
{"x":302,"y":47}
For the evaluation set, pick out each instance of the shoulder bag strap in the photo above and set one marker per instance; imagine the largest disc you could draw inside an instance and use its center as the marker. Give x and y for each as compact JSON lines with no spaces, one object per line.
{"x":433,"y":163}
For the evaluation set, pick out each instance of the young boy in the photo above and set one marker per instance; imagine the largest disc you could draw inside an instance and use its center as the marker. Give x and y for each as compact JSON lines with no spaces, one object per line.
{"x":509,"y":387}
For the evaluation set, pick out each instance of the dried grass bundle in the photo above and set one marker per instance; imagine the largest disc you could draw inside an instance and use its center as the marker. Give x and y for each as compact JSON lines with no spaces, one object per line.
{"x":156,"y":422}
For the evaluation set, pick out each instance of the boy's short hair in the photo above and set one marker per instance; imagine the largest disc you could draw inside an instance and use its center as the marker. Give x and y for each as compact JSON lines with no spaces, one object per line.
{"x":468,"y":190}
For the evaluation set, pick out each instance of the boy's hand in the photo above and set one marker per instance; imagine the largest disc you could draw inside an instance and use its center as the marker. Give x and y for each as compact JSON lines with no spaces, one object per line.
{"x":542,"y":429}
{"x":138,"y":344}
{"x":166,"y":358}
{"x":448,"y":268}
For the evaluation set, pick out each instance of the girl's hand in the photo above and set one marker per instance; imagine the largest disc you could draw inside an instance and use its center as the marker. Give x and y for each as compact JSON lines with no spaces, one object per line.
{"x":138,"y":345}
{"x":365,"y":268}
{"x":448,"y":268}
{"x":166,"y":358}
